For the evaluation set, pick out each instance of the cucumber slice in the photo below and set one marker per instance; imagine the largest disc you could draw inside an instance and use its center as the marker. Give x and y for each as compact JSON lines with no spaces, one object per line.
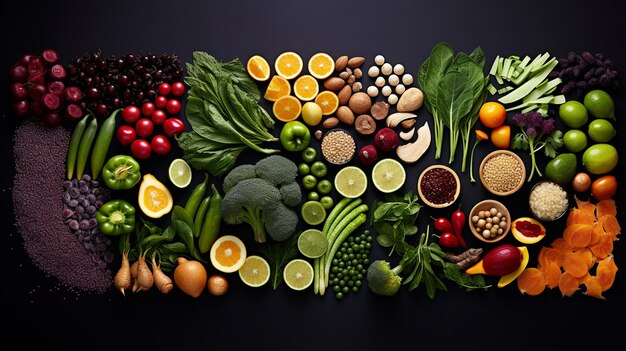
{"x":491,"y":89}
{"x":524,"y":89}
{"x":494,"y":67}
{"x":543,"y":89}
{"x":539,"y":63}
{"x":530,"y":108}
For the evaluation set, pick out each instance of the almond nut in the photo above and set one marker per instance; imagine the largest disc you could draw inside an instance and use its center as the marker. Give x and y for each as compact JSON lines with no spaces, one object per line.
{"x":365,"y":124}
{"x":345,"y":115}
{"x":360,"y":103}
{"x":356,"y":61}
{"x":334,"y":83}
{"x":358,"y":73}
{"x":344,"y":95}
{"x":408,"y":123}
{"x":341,"y":63}
{"x":344,"y":75}
{"x":380,"y":110}
{"x":330,"y":122}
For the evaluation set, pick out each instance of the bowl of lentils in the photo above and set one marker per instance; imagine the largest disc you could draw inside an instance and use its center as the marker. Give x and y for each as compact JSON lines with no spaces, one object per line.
{"x":548,"y":201}
{"x":438,"y":186}
{"x":338,"y":146}
{"x":502,"y":172}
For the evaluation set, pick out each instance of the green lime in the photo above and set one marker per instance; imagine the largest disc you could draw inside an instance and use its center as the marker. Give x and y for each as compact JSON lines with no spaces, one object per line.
{"x":388,"y":175}
{"x":304,"y":169}
{"x":600,"y":158}
{"x":324,"y":186}
{"x":298,"y":274}
{"x":562,"y":168}
{"x":575,"y":140}
{"x":601,"y":130}
{"x":312,"y":243}
{"x":180,"y":173}
{"x":351,"y":182}
{"x":573,"y":114}
{"x":600,"y":104}
{"x":313,"y":196}
{"x":313,"y":212}
{"x":327,"y":202}
{"x":255,"y":271}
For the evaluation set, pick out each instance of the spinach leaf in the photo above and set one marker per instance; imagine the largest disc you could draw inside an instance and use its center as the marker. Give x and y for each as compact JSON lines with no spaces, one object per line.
{"x":454,"y":99}
{"x":432,"y":71}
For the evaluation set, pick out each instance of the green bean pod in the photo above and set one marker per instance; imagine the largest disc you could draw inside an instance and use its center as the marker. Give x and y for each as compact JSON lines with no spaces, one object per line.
{"x":72,"y":150}
{"x":198,"y":193}
{"x":199,"y":218}
{"x":212,"y":222}
{"x":103,"y":143}
{"x":85,"y":147}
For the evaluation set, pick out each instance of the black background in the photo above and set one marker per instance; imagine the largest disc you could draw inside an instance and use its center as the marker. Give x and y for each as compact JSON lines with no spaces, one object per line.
{"x":39,"y":311}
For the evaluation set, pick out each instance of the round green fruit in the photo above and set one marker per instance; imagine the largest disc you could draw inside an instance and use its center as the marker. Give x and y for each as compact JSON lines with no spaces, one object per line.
{"x":562,"y":168}
{"x":601,"y":130}
{"x":600,"y":158}
{"x":600,"y":104}
{"x":573,"y":114}
{"x":575,"y":140}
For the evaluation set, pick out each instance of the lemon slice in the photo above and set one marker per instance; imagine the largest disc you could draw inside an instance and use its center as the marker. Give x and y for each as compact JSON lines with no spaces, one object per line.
{"x":180,"y":173}
{"x":298,"y":274}
{"x":351,"y":182}
{"x":313,"y":212}
{"x":312,"y":243}
{"x":388,"y":175}
{"x":255,"y":271}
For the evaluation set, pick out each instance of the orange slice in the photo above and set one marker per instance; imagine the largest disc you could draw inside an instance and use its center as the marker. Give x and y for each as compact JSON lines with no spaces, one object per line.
{"x":258,"y":68}
{"x":287,"y":108}
{"x":288,"y":65}
{"x":328,"y":101}
{"x":228,"y":253}
{"x":321,"y":65}
{"x":277,"y":88}
{"x":306,"y":87}
{"x":154,"y":199}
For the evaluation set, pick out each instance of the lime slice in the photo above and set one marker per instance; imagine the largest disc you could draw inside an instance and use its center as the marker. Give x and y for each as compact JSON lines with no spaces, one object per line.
{"x":313,"y":212}
{"x":312,"y":243}
{"x":388,"y":175}
{"x":298,"y":274}
{"x":351,"y":182}
{"x":180,"y":173}
{"x":255,"y":271}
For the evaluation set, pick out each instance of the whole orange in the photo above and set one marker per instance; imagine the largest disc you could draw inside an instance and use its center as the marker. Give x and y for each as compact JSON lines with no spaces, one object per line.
{"x":501,"y":137}
{"x":492,"y":114}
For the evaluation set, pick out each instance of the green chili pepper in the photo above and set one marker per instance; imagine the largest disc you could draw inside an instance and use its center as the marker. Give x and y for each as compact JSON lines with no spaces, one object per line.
{"x":121,"y":172}
{"x":116,"y":217}
{"x":212,"y":222}
{"x":103,"y":143}
{"x":199,"y":218}
{"x":72,"y":150}
{"x":84,"y":148}
{"x":184,"y":232}
{"x":198,"y":193}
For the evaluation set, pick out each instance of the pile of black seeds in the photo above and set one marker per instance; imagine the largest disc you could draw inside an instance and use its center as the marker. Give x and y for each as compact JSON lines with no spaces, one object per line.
{"x":40,"y":154}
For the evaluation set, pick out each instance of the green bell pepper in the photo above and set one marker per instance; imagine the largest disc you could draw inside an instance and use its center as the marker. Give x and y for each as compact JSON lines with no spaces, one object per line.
{"x":116,"y":217}
{"x":295,"y":136}
{"x":121,"y":172}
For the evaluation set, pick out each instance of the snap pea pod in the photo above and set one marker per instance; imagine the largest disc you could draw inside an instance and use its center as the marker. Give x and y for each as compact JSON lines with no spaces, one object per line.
{"x":199,"y":218}
{"x":85,"y":147}
{"x":184,"y":232}
{"x":212,"y":222}
{"x":72,"y":150}
{"x":198,"y":193}
{"x":103,"y":143}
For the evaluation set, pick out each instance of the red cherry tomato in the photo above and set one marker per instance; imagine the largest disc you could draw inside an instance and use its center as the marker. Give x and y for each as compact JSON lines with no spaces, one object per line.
{"x":130,"y":114}
{"x":148,"y":108}
{"x":141,"y":149}
{"x":173,"y":106}
{"x":126,"y":135}
{"x":159,"y":116}
{"x":173,"y":126}
{"x":164,"y":89}
{"x":178,"y":89}
{"x":160,"y":101}
{"x":161,"y":145}
{"x":604,"y":188}
{"x":448,"y":240}
{"x":144,"y":127}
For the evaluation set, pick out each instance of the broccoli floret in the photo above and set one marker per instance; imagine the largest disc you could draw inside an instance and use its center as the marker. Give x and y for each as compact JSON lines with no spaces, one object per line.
{"x":245,"y":201}
{"x":238,"y":174}
{"x":291,"y":194}
{"x":280,"y":222}
{"x":276,"y":169}
{"x":383,"y":280}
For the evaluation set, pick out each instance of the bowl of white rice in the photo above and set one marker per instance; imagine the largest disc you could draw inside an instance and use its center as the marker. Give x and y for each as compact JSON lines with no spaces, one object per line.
{"x":548,"y":201}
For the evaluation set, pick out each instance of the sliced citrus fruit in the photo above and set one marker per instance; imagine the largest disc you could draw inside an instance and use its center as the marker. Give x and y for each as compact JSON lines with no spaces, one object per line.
{"x":288,"y":65}
{"x":255,"y":271}
{"x":298,"y":274}
{"x":312,"y":243}
{"x":528,"y":230}
{"x":388,"y":175}
{"x":313,"y":212}
{"x":351,"y":182}
{"x":328,"y":101}
{"x":228,"y":253}
{"x":287,"y":108}
{"x":306,"y":87}
{"x":277,"y":88}
{"x":155,"y":199}
{"x":258,"y":68}
{"x":180,"y":173}
{"x":321,"y":65}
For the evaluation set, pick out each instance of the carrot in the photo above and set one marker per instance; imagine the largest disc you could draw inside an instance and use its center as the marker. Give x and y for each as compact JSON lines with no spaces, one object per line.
{"x":145,"y":280}
{"x":133,"y":275}
{"x":531,"y":282}
{"x":548,"y":254}
{"x":161,"y":280}
{"x":585,"y":205}
{"x":552,"y":273}
{"x":578,"y":235}
{"x":575,"y":264}
{"x":122,"y":280}
{"x":568,"y":285}
{"x":603,"y":247}
{"x":593,"y":287}
{"x":611,"y":226}
{"x":606,"y":207}
{"x":605,"y":272}
{"x":560,"y":244}
{"x":578,"y":216}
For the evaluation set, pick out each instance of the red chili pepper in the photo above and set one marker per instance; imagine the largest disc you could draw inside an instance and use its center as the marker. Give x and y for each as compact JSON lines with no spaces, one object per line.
{"x":458,"y":222}
{"x":443,"y":225}
{"x":448,"y":240}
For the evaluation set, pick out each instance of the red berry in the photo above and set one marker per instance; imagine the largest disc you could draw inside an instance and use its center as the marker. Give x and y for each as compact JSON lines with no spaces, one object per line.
{"x":173,"y":106}
{"x":178,"y":89}
{"x":159,"y":116}
{"x":164,"y":89}
{"x":160,"y":101}
{"x":141,"y":149}
{"x":144,"y":127}
{"x":147,"y":108}
{"x":131,"y":114}
{"x":161,"y":145}
{"x":126,"y":135}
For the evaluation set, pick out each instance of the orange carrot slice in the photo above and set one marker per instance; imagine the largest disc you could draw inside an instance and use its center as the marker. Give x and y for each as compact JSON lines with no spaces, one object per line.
{"x":578,"y":216}
{"x":606,"y":207}
{"x":611,"y":226}
{"x":605,"y":272}
{"x":568,"y":285}
{"x":585,"y":205}
{"x":531,"y":282}
{"x":603,"y":247}
{"x":548,"y":254}
{"x":575,"y":263}
{"x":552,"y":273}
{"x":578,"y":235}
{"x":596,"y":232}
{"x":593,"y":287}
{"x":560,"y":244}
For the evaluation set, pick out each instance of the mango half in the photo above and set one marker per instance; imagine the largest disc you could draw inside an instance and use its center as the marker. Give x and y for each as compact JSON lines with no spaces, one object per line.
{"x":507,"y":279}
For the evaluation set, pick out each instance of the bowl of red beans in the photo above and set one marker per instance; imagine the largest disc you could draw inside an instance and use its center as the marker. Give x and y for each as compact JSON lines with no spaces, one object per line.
{"x":438,"y":186}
